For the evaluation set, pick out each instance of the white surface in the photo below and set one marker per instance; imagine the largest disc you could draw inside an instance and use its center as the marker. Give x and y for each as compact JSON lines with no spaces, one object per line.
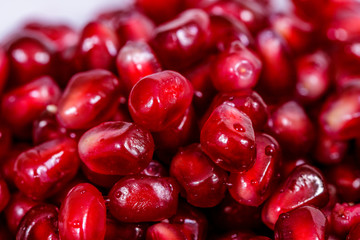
{"x":13,"y":13}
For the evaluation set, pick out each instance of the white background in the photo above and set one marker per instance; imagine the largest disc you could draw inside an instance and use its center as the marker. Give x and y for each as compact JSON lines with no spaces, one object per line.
{"x":13,"y":13}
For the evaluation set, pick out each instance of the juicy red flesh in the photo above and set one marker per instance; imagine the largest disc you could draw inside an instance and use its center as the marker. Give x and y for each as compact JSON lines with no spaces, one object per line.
{"x":46,"y":168}
{"x":160,"y":10}
{"x":228,"y":138}
{"x":143,"y":199}
{"x":255,"y":185}
{"x":82,"y":214}
{"x":40,"y":222}
{"x":116,"y":148}
{"x":160,"y":99}
{"x":163,"y":231}
{"x":343,"y":217}
{"x":304,"y":186}
{"x":88,"y":99}
{"x":202,"y":180}
{"x":301,"y":223}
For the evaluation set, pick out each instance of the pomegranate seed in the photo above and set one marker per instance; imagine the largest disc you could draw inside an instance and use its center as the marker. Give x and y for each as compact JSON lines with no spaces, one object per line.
{"x":29,"y":58}
{"x":291,"y":126}
{"x":97,"y":48}
{"x":135,"y":61}
{"x":354,"y":233}
{"x":340,"y":116}
{"x":99,"y":179}
{"x":4,"y":68}
{"x":4,"y":194}
{"x":237,"y":68}
{"x":304,"y":186}
{"x":143,"y":199}
{"x":88,"y":99}
{"x":228,"y":138}
{"x":248,"y":102}
{"x":18,"y":206}
{"x":202,"y":180}
{"x":5,"y":139}
{"x":82,"y":214}
{"x":183,"y":40}
{"x":22,"y":105}
{"x":343,"y":217}
{"x":160,"y":99}
{"x":163,"y":231}
{"x":255,"y":185}
{"x":160,"y":10}
{"x":301,"y":223}
{"x":288,"y":165}
{"x":116,"y":230}
{"x":330,"y":151}
{"x":116,"y":148}
{"x":240,"y":235}
{"x":155,"y":169}
{"x":46,"y":168}
{"x":40,"y":222}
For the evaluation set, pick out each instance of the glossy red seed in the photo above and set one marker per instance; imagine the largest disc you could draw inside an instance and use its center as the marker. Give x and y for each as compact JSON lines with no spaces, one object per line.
{"x":228,"y":138}
{"x":4,"y":194}
{"x":249,"y":102}
{"x":155,"y":169}
{"x":22,"y":105}
{"x":160,"y":99}
{"x":237,"y":68}
{"x":40,"y":222}
{"x":164,"y":231}
{"x":192,"y":222}
{"x":289,"y":164}
{"x":46,"y":168}
{"x":240,"y":235}
{"x":82,"y":214}
{"x":116,"y":148}
{"x":343,"y":217}
{"x":160,"y":10}
{"x":183,"y":40}
{"x":143,"y":199}
{"x":255,"y":185}
{"x":18,"y":206}
{"x":88,"y":99}
{"x":4,"y":68}
{"x":116,"y":230}
{"x":304,"y":186}
{"x":340,"y":116}
{"x":135,"y":61}
{"x":291,"y":126}
{"x":329,"y":151}
{"x":29,"y":58}
{"x":102,"y":180}
{"x":301,"y":223}
{"x":203,"y":182}
{"x":354,"y":233}
{"x":97,"y":48}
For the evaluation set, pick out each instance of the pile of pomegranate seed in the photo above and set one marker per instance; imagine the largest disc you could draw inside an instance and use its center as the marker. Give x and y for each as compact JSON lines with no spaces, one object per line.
{"x":184,"y":120}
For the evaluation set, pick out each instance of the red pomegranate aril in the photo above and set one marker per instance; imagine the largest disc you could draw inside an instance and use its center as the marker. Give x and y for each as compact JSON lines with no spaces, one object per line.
{"x":116,"y":230}
{"x":354,"y":233}
{"x":155,"y":169}
{"x":237,"y":68}
{"x":278,"y":71}
{"x":182,"y":41}
{"x":340,"y":115}
{"x":5,"y":140}
{"x":22,"y":105}
{"x":40,"y":222}
{"x":18,"y":206}
{"x":203,"y":182}
{"x":329,"y":151}
{"x":135,"y":61}
{"x":116,"y":148}
{"x":301,"y":223}
{"x":46,"y":168}
{"x":183,"y":132}
{"x":231,"y":215}
{"x":4,"y":69}
{"x":343,"y":217}
{"x":143,"y":199}
{"x":247,"y":101}
{"x":313,"y":76}
{"x":4,"y":194}
{"x":160,"y":10}
{"x":29,"y":58}
{"x":346,"y":178}
{"x":160,"y":99}
{"x":240,"y":235}
{"x":82,"y":214}
{"x":304,"y":186}
{"x":97,"y":48}
{"x":289,"y":164}
{"x":255,"y":185}
{"x":62,"y":36}
{"x":191,"y":221}
{"x":164,"y":231}
{"x":102,"y":180}
{"x":228,"y":138}
{"x":291,"y":126}
{"x":88,"y":99}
